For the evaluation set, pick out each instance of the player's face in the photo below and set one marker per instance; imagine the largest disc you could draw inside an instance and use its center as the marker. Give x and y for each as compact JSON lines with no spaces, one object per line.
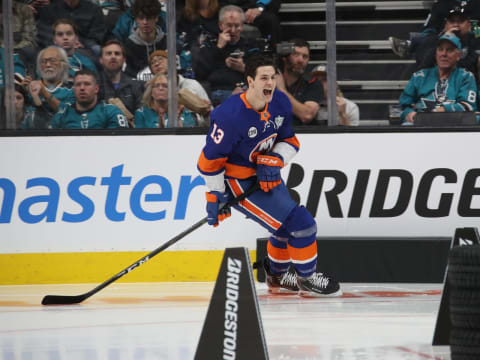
{"x":232,"y":23}
{"x":297,"y":61}
{"x":159,"y":65}
{"x":65,"y":37}
{"x":85,"y":89}
{"x":160,"y":89}
{"x":447,"y":55}
{"x":112,"y":58}
{"x":264,"y":83}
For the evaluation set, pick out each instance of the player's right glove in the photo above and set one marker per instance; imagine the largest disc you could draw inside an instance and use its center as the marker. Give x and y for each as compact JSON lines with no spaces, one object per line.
{"x":214,"y":200}
{"x":268,"y":170}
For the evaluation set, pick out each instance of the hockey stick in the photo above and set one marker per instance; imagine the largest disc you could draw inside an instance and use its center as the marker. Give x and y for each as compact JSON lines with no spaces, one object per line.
{"x":75,"y":299}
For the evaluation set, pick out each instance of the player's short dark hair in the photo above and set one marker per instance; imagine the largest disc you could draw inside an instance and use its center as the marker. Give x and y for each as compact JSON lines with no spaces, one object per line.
{"x":113,"y":42}
{"x":257,"y":60}
{"x":147,"y":8}
{"x":86,"y":71}
{"x":65,"y":21}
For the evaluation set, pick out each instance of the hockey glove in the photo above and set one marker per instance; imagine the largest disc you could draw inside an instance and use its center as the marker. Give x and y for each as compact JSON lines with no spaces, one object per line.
{"x":214,"y":200}
{"x":268,"y":170}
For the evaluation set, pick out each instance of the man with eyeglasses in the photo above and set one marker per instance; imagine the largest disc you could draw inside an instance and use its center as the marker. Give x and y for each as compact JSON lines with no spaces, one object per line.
{"x":53,"y":86}
{"x":262,"y":14}
{"x":222,"y":64}
{"x":116,"y":87}
{"x":86,"y":112}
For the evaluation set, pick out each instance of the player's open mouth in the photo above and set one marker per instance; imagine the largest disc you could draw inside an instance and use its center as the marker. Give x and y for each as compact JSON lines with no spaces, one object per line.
{"x":267,"y":92}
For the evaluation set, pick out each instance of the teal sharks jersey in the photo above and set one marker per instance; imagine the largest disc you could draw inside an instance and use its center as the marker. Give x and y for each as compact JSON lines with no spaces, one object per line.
{"x":425,"y":91}
{"x":146,"y":117}
{"x":102,"y":116}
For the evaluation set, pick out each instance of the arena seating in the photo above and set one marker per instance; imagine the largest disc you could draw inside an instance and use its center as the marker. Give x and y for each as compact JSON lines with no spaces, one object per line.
{"x":368,"y":72}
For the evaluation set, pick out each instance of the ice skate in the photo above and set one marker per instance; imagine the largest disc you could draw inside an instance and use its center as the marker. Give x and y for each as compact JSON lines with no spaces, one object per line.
{"x":319,"y":285}
{"x":283,"y":283}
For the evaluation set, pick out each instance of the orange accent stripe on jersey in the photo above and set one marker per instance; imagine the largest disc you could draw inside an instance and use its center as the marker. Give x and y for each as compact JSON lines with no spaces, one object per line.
{"x":251,"y":207}
{"x":210,"y":166}
{"x":264,"y":114}
{"x":292,"y":141}
{"x":277,"y":254}
{"x":239,"y":171}
{"x":235,"y":187}
{"x":211,"y":197}
{"x":303,"y":254}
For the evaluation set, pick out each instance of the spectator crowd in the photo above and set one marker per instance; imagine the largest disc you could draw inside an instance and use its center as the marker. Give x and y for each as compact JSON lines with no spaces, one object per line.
{"x":97,"y":64}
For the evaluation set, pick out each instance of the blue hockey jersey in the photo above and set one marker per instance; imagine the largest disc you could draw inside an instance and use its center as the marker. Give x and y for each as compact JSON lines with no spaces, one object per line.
{"x":238,"y":133}
{"x":425,"y":91}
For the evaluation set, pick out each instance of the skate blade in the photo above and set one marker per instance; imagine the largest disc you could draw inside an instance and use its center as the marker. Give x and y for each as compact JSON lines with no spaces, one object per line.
{"x":281,"y":291}
{"x":311,"y":294}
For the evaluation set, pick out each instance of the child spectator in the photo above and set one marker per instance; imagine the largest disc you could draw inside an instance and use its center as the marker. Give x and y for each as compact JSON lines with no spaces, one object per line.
{"x":65,"y":35}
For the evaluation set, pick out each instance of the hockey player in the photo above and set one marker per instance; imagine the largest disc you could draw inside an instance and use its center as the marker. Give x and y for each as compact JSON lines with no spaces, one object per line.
{"x":442,"y":88}
{"x":250,"y":140}
{"x":86,"y":112}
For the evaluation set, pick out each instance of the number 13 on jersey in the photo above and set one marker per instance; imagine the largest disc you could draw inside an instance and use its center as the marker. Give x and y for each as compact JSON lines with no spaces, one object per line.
{"x":216,"y":134}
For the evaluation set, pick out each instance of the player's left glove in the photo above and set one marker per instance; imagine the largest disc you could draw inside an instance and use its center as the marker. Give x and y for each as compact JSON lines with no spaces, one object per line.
{"x":214,"y":214}
{"x":268,"y":170}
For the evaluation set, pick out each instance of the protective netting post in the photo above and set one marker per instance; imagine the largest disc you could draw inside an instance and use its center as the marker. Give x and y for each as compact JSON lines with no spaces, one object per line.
{"x":9,"y":88}
{"x":331,"y":63}
{"x":172,"y":64}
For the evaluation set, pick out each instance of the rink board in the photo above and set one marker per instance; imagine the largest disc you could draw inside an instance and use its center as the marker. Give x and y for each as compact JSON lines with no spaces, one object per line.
{"x":91,"y":205}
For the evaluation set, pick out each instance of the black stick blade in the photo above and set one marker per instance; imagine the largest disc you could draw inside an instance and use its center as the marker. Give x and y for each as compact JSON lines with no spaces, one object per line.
{"x":62,"y":299}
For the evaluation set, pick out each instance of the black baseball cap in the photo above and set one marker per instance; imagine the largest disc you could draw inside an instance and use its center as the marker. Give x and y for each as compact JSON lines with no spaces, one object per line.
{"x":459,"y":11}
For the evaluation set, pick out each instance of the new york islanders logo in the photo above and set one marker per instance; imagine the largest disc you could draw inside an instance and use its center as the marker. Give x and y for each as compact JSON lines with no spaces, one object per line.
{"x":262,"y":146}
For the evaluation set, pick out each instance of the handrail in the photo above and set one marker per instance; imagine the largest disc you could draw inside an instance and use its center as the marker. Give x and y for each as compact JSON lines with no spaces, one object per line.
{"x":378,"y":5}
